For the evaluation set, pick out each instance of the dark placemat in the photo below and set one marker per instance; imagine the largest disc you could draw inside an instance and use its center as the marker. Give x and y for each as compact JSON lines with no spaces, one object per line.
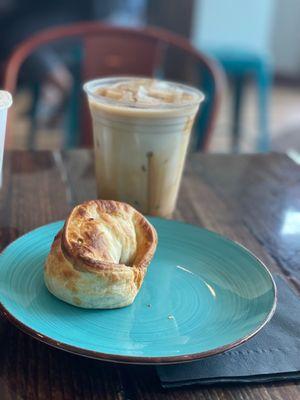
{"x":272,"y":355}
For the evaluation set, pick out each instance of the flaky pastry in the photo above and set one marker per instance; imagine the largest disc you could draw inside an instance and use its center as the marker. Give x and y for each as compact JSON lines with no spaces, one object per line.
{"x":100,"y":257}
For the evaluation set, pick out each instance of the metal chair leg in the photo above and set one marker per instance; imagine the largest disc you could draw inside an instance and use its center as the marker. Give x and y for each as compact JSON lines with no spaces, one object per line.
{"x":263,"y":87}
{"x":238,"y":90}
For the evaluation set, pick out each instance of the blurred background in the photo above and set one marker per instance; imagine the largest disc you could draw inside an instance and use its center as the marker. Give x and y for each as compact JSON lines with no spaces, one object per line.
{"x":253,"y":45}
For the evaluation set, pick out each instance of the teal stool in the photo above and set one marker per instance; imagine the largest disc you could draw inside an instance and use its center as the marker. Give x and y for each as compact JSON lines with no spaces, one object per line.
{"x":237,"y":34}
{"x":239,"y":66}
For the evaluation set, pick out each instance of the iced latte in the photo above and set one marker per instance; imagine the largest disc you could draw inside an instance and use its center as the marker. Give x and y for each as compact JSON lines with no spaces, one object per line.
{"x":141,"y":133}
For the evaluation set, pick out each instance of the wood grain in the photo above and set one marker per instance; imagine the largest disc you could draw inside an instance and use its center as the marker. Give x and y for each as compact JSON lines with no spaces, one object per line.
{"x":250,"y":199}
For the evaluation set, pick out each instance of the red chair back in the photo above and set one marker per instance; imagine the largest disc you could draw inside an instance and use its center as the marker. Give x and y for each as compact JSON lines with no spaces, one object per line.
{"x":112,"y":50}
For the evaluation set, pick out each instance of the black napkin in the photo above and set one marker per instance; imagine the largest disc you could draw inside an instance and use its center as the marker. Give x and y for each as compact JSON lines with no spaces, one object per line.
{"x":272,"y":355}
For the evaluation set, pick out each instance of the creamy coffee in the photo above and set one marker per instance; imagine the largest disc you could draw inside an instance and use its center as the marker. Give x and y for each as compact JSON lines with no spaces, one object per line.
{"x":141,"y":132}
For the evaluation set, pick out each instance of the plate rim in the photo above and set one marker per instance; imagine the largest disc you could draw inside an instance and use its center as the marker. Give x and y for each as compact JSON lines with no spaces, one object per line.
{"x":143,"y":360}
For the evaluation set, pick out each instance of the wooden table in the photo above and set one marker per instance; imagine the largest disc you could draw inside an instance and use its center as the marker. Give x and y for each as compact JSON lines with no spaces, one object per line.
{"x":252,"y":199}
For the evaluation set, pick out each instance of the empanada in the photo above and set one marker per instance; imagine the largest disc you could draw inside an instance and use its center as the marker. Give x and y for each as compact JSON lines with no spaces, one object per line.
{"x":100,"y":257}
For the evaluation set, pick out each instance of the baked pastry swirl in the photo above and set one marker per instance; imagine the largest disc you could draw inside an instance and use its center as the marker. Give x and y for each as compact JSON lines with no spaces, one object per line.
{"x":100,"y":257}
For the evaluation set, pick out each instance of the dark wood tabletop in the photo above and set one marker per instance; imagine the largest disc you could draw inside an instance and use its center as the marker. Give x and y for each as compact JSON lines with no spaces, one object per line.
{"x":254,"y":199}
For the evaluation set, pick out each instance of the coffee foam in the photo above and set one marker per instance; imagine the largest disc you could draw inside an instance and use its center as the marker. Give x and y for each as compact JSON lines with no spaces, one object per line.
{"x":146,"y":92}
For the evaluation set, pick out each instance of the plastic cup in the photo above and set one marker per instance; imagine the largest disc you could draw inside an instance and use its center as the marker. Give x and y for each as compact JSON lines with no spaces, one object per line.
{"x":5,"y":103}
{"x":140,"y":148}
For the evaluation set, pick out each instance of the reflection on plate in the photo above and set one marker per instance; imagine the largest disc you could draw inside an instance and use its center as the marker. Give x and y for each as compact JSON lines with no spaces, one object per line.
{"x":203,"y":294}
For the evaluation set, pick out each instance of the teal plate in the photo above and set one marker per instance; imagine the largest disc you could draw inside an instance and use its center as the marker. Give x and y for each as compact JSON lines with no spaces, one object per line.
{"x":203,"y":294}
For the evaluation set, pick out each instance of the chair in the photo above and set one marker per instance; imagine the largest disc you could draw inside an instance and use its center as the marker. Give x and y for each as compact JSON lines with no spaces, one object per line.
{"x":107,"y":50}
{"x":237,"y":34}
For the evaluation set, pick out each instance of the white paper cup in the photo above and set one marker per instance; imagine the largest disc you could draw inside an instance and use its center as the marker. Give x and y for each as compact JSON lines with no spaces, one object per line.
{"x":5,"y":103}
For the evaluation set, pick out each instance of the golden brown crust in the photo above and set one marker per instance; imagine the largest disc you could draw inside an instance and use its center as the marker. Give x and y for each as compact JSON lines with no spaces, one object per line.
{"x":100,"y":257}
{"x":85,"y":246}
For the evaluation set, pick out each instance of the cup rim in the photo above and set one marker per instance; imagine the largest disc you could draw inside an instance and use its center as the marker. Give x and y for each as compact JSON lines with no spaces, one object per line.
{"x":7,"y":97}
{"x":90,"y":86}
